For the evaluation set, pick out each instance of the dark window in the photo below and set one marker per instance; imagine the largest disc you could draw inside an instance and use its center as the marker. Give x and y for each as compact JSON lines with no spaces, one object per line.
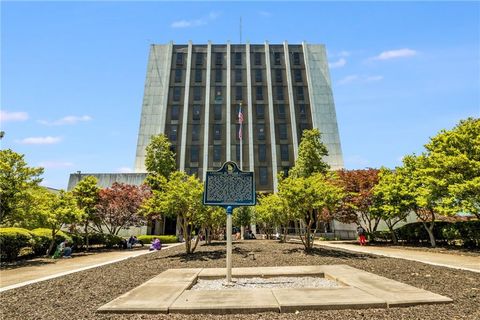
{"x":282,"y":131}
{"x":197,"y":93}
{"x":179,"y":60}
{"x":218,"y":75}
{"x":217,"y":132}
{"x":238,"y":93}
{"x":297,"y":75}
{"x":195,"y":132}
{"x":259,"y":92}
{"x":262,"y":152}
{"x":218,"y":93}
{"x":296,"y":58}
{"x":238,"y":58}
{"x":217,"y":153}
{"x":174,"y":113}
{"x":173,"y":132}
{"x":258,"y":59}
{"x":196,"y":112}
{"x":261,"y":132}
{"x":260,"y":111}
{"x":279,"y":93}
{"x":194,"y":154}
{"x":263,"y":173}
{"x":238,"y":75}
{"x":303,"y":126}
{"x":276,"y":58}
{"x":278,"y":75}
{"x":237,"y":152}
{"x":302,"y":110}
{"x":258,"y":75}
{"x":173,"y":148}
{"x":193,"y":171}
{"x":198,"y":75}
{"x":218,"y":59}
{"x":217,"y":112}
{"x":178,"y":75}
{"x":176,"y":93}
{"x":199,"y":59}
{"x":285,"y":171}
{"x":281,"y":111}
{"x":300,"y":95}
{"x":284,"y":152}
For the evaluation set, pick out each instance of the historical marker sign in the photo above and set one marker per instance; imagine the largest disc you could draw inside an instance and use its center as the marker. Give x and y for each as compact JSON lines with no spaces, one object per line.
{"x":229,"y":186}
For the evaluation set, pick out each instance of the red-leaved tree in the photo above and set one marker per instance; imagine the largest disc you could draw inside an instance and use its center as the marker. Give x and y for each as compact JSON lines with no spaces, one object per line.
{"x":118,"y":207}
{"x":356,"y":204}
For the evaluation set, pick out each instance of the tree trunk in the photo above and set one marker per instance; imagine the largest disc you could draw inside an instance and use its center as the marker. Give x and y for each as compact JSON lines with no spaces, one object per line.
{"x":285,"y":232}
{"x":52,"y":243}
{"x":86,"y":236}
{"x":430,"y":234}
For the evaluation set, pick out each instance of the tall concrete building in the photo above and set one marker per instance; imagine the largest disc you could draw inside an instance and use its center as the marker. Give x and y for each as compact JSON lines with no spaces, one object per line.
{"x":194,"y":93}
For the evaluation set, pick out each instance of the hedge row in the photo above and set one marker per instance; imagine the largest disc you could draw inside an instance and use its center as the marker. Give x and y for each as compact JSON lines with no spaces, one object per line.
{"x":37,"y":241}
{"x":164,"y":239}
{"x":467,"y":233}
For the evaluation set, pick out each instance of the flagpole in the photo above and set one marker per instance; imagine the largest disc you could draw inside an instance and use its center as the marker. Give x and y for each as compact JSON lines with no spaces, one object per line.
{"x":241,"y":141}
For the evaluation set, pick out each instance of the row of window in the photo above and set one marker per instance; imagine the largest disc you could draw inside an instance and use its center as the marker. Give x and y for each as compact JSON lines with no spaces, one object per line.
{"x":217,"y":153}
{"x":279,"y":93}
{"x":217,"y":111}
{"x":217,"y":132}
{"x":238,"y":74}
{"x":237,"y":58}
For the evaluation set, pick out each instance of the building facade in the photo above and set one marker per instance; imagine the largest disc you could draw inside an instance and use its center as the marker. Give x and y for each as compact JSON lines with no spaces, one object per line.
{"x":194,"y":94}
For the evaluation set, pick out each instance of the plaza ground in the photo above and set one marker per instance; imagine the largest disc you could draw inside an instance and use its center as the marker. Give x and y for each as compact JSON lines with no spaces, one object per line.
{"x":78,"y":295}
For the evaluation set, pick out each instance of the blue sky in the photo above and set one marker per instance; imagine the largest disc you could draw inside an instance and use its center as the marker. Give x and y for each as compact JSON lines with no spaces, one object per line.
{"x":72,"y":74}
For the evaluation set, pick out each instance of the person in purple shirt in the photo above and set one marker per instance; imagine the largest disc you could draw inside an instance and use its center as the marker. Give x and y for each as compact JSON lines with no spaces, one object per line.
{"x":156,"y":244}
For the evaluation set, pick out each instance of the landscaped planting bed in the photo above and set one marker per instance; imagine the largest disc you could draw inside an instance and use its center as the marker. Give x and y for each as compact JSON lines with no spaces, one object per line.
{"x":78,"y":295}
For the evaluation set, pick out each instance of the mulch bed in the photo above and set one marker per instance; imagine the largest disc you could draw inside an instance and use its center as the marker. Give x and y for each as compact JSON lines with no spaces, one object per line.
{"x":78,"y":295}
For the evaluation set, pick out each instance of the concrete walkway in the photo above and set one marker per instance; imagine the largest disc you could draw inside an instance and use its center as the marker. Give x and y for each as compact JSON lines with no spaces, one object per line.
{"x":454,"y":261}
{"x":44,"y":269}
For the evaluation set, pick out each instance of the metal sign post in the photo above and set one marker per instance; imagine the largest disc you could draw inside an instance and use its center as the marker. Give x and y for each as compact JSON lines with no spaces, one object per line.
{"x":229,"y":187}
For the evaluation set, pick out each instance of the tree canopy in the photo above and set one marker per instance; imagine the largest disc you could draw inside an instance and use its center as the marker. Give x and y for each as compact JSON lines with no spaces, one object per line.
{"x":159,"y":159}
{"x":16,"y":178}
{"x":310,"y":155}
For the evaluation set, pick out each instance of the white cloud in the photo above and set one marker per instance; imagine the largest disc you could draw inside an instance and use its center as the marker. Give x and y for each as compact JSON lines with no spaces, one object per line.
{"x":125,"y":170}
{"x":338,"y":64}
{"x":348,"y":79}
{"x":359,"y":79}
{"x":68,"y":120}
{"x":344,"y":54}
{"x":265,"y":13}
{"x":392,"y":54}
{"x":12,"y":116}
{"x":55,"y":164}
{"x":40,"y":140}
{"x":195,"y":22}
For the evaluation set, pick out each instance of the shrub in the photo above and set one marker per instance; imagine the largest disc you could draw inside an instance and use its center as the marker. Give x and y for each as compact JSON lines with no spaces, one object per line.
{"x":12,"y":240}
{"x":146,"y":239}
{"x":42,"y":238}
{"x":112,"y":240}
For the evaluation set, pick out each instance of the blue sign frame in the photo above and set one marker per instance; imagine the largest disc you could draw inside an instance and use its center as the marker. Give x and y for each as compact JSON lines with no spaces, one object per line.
{"x":229,"y":186}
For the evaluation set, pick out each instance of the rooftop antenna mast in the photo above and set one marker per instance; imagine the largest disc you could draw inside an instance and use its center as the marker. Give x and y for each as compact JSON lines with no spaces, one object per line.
{"x":240,"y":29}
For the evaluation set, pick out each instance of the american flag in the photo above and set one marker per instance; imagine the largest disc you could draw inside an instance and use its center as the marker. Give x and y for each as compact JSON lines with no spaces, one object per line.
{"x":240,"y":121}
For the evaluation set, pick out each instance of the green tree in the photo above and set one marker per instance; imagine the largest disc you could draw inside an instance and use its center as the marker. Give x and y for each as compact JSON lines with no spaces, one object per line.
{"x":272,"y":211}
{"x":86,"y":193}
{"x":159,"y":159}
{"x":182,"y":197}
{"x":16,"y":178}
{"x":311,"y":199}
{"x":392,"y":201}
{"x":310,"y":155}
{"x":453,"y":168}
{"x":56,"y":211}
{"x":242,"y":217}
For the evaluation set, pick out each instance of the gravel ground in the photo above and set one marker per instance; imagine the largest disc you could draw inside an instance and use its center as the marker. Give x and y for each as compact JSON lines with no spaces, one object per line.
{"x":273,"y":282}
{"x":78,"y":295}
